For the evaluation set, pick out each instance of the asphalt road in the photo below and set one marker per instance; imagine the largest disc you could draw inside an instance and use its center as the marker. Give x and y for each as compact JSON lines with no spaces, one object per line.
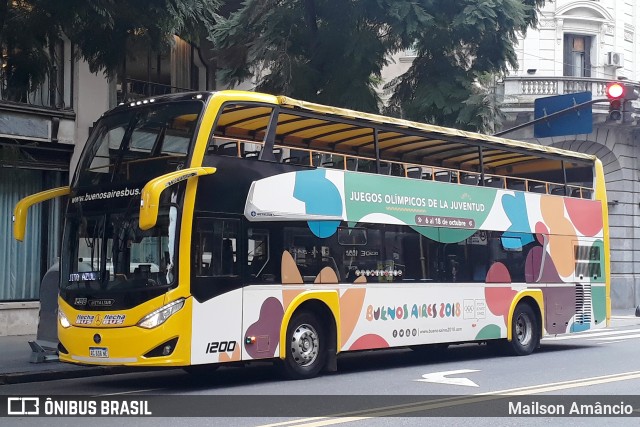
{"x":463,"y":385}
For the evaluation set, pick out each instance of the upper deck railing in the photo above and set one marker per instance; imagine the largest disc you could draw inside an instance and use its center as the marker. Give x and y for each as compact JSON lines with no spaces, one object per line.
{"x":250,"y":150}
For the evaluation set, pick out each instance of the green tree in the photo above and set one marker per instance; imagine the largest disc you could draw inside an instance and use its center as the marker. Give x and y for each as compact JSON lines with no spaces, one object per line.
{"x":101,"y":30}
{"x":463,"y":41}
{"x":332,"y":51}
{"x":327,"y":51}
{"x":25,"y":57}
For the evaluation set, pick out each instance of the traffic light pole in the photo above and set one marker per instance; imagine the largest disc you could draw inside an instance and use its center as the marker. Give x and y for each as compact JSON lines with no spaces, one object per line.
{"x":576,"y":107}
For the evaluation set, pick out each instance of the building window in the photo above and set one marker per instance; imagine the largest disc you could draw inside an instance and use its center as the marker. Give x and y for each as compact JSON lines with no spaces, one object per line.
{"x":577,"y":55}
{"x":23,"y":264}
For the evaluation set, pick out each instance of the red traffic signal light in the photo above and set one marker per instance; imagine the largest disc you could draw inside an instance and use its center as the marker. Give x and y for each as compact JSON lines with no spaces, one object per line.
{"x":623,"y":91}
{"x":615,"y":90}
{"x":620,"y":96}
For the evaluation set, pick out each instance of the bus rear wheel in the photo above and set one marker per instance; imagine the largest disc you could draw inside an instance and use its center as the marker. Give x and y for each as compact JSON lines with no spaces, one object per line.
{"x":525,"y":331}
{"x":306,"y":346}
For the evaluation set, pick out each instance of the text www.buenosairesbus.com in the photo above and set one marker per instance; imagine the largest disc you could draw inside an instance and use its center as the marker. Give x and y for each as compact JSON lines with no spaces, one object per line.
{"x":106,"y":195}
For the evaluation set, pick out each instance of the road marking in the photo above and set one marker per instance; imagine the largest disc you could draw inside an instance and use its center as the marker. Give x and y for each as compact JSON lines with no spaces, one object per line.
{"x":397,"y":410}
{"x":618,"y":337}
{"x":128,"y":392}
{"x":441,"y":378}
{"x":586,"y":334}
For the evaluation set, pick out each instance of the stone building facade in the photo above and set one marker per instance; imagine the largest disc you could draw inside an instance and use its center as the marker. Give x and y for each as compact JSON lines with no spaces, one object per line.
{"x":580,"y":46}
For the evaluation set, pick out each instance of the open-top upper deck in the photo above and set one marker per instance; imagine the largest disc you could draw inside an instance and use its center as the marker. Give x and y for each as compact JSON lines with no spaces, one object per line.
{"x":281,"y":129}
{"x":303,"y":133}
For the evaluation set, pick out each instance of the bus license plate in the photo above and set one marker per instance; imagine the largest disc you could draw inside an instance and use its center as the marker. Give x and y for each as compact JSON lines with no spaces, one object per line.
{"x":98,"y":352}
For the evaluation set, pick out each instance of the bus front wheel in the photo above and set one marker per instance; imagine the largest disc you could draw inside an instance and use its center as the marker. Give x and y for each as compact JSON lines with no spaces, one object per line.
{"x":525,"y":331}
{"x":306,"y":346}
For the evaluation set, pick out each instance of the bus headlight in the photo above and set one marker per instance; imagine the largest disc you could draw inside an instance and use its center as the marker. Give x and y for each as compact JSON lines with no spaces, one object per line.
{"x":161,"y":315}
{"x":64,"y":322}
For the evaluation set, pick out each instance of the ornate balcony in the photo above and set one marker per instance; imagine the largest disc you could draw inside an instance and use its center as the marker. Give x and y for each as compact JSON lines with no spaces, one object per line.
{"x":519,"y":93}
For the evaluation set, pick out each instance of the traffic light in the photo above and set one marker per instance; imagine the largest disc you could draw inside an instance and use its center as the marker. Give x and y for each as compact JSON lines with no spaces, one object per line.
{"x":620,"y":96}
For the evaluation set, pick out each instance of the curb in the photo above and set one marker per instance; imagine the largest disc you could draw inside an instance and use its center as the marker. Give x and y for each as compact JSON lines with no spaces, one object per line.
{"x":50,"y":375}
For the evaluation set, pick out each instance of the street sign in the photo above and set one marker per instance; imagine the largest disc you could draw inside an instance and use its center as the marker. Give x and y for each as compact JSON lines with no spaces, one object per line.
{"x":571,"y":123}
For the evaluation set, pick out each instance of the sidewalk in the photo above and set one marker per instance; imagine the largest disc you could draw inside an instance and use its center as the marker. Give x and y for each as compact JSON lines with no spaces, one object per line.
{"x":15,"y":367}
{"x":15,"y":354}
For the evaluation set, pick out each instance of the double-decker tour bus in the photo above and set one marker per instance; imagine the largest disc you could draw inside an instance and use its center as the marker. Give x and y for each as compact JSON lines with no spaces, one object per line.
{"x":211,"y":228}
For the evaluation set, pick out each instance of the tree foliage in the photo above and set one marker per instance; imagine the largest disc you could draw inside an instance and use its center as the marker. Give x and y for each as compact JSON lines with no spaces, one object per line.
{"x":101,"y":30}
{"x":332,"y":51}
{"x":328,"y":51}
{"x":25,"y":61}
{"x":463,"y":41}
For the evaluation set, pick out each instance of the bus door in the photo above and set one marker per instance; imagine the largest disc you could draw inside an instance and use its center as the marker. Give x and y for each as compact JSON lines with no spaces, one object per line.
{"x":216,"y":288}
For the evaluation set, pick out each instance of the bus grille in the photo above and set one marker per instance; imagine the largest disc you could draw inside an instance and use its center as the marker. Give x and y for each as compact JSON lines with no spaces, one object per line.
{"x":583,"y":303}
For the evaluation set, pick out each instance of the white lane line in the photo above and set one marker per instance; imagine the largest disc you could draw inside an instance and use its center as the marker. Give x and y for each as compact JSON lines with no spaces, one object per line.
{"x":591,"y":335}
{"x":128,"y":392}
{"x":397,"y":410}
{"x":621,"y":337}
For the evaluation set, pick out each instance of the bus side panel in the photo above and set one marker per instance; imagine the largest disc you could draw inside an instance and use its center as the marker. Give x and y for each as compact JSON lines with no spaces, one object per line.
{"x":263,"y":311}
{"x":387,"y":315}
{"x":217,"y":329}
{"x":426,"y":313}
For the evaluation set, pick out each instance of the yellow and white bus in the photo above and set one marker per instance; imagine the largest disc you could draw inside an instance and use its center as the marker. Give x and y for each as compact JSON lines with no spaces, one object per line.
{"x":211,"y":228}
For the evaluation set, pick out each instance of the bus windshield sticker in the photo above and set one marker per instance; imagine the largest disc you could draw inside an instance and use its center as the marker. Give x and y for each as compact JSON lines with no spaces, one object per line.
{"x":84,"y":276}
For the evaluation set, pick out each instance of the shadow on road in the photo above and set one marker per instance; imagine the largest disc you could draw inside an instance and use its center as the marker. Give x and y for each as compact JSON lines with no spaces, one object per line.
{"x":178,"y":381}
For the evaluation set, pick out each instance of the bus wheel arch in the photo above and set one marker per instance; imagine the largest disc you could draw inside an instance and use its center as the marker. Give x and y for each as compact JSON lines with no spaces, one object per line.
{"x":525,"y":326}
{"x":311,"y":327}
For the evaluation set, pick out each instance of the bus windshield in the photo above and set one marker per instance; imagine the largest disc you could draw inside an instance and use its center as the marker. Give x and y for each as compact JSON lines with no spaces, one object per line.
{"x":135,"y":145}
{"x":109,"y":252}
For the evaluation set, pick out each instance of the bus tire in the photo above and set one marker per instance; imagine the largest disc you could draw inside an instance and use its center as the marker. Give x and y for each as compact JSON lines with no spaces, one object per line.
{"x":525,"y":331}
{"x":306,"y":346}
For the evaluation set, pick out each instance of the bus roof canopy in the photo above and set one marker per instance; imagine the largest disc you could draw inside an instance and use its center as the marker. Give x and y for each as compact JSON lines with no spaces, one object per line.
{"x":306,"y":125}
{"x":445,"y":145}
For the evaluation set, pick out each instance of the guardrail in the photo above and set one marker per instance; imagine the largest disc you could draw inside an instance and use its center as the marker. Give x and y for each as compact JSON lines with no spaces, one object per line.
{"x":48,"y":95}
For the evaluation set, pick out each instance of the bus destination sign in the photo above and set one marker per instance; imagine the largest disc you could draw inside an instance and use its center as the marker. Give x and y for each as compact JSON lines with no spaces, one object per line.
{"x":84,"y":276}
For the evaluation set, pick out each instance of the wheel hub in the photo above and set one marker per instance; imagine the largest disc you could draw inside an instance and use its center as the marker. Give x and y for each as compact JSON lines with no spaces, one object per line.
{"x":304,"y":345}
{"x":523,"y":330}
